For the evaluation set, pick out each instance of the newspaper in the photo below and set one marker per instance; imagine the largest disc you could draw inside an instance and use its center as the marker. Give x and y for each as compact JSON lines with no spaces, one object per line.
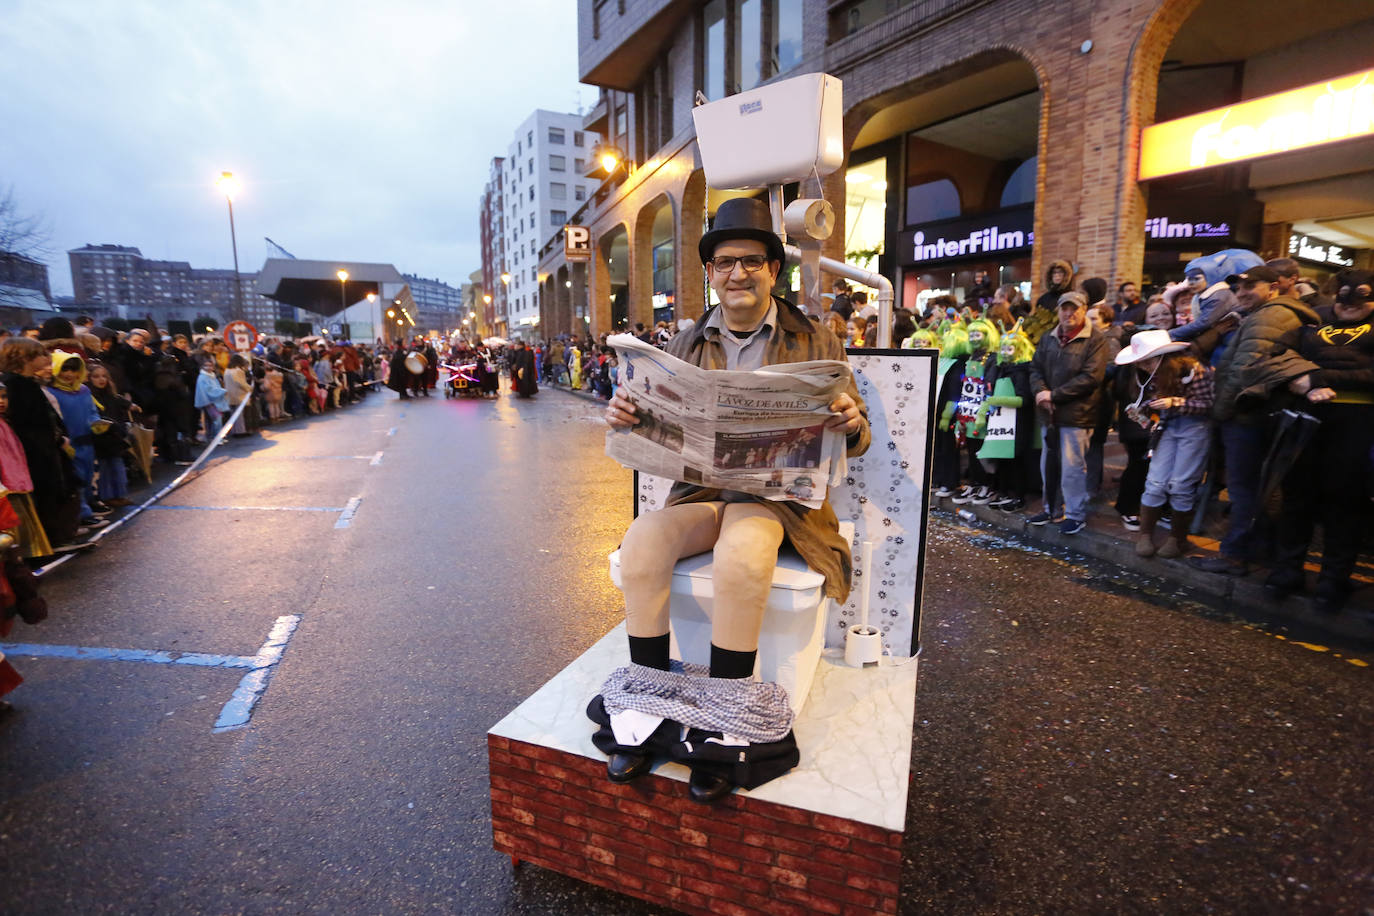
{"x":761,"y":432}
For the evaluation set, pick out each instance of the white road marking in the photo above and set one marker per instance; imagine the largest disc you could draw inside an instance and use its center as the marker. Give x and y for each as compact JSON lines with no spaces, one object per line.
{"x":350,"y":510}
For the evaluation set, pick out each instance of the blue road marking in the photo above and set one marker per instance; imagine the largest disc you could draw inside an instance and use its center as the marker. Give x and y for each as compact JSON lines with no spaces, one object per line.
{"x":252,"y":508}
{"x":153,"y":656}
{"x":391,"y":432}
{"x":347,"y":513}
{"x":236,"y":711}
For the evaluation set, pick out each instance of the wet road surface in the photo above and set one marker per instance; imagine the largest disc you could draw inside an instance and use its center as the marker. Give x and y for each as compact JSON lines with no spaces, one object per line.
{"x":1083,"y":742}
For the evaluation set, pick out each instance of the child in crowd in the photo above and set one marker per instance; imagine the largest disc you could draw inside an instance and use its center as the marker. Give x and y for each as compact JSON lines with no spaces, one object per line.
{"x":210,"y":400}
{"x":236,"y":390}
{"x":273,"y":392}
{"x":112,"y":478}
{"x":83,"y":422}
{"x":1175,"y":405}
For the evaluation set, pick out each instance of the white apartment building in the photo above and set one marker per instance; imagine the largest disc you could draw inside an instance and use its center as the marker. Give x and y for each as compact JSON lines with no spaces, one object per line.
{"x":544,"y":182}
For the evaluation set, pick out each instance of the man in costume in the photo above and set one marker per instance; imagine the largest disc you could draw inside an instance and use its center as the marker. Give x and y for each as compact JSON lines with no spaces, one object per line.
{"x":522,"y":371}
{"x":749,"y":329}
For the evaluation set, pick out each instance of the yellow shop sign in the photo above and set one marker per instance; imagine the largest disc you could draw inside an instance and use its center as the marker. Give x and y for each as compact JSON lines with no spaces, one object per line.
{"x":1321,"y":113}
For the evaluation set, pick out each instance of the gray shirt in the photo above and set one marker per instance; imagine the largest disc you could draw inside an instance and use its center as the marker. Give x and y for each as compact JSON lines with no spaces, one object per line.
{"x":744,"y":353}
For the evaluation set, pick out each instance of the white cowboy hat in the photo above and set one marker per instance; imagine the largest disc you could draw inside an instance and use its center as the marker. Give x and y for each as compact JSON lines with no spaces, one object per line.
{"x":1149,"y":343}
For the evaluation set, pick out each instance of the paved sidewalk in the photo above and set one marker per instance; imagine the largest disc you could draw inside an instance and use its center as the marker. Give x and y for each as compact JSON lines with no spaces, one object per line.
{"x":1107,"y":539}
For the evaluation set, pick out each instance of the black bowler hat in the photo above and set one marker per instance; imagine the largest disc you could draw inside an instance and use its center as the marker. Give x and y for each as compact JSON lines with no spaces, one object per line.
{"x":742,"y":218}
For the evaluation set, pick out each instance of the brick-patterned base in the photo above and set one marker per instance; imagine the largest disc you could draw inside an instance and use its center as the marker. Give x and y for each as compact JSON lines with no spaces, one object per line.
{"x":647,"y":839}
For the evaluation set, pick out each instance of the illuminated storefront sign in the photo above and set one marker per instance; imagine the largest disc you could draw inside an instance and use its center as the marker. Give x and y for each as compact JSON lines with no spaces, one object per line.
{"x":1161,"y":227}
{"x":1307,"y":248}
{"x":1007,"y":234}
{"x":1003,"y":233}
{"x":1321,"y":113}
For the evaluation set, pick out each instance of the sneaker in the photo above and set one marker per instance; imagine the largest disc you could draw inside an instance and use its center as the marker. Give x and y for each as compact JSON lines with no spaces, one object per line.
{"x":1040,"y":518}
{"x":983,"y":496}
{"x":1130,"y":522}
{"x":964,"y":495}
{"x":1001,"y":501}
{"x":942,"y":492}
{"x":93,"y":522}
{"x":1010,"y":504}
{"x":1072,"y":526}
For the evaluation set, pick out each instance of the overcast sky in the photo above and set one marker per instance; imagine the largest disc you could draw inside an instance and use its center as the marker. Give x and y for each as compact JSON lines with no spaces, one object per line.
{"x":360,"y":131}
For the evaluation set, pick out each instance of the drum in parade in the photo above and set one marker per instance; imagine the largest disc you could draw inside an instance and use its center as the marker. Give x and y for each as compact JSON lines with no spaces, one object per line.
{"x":416,"y":364}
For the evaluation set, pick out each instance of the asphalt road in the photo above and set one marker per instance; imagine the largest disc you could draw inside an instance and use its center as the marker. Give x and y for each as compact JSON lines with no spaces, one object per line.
{"x":1084,"y":742}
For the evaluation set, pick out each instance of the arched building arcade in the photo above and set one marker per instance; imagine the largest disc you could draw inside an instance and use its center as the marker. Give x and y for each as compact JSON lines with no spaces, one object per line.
{"x":994,"y":136}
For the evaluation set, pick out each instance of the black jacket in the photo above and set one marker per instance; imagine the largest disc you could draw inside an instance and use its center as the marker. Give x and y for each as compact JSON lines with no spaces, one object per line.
{"x":1073,"y":374}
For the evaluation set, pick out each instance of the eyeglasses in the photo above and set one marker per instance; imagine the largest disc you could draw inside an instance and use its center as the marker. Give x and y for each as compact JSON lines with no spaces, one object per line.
{"x":752,"y":263}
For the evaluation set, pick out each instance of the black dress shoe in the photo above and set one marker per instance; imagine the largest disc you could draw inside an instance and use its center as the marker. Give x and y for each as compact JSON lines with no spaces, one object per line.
{"x":706,"y":788}
{"x":627,"y":767}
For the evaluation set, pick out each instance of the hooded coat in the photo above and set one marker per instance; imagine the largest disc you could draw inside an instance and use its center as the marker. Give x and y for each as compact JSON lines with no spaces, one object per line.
{"x":1045,"y":315}
{"x":813,"y":533}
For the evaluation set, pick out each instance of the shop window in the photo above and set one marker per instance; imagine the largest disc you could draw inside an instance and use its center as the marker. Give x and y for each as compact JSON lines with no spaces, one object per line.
{"x":787,"y":35}
{"x":1020,"y":187}
{"x":713,"y":50}
{"x":749,"y":70}
{"x":931,"y":201}
{"x":865,"y":212}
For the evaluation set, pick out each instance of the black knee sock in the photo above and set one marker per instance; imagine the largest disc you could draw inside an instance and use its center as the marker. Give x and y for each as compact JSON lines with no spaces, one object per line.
{"x":729,"y":663}
{"x":650,"y":651}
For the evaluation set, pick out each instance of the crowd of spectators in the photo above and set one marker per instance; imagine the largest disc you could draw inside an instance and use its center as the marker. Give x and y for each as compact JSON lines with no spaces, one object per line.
{"x":86,"y":412}
{"x":1243,"y":379}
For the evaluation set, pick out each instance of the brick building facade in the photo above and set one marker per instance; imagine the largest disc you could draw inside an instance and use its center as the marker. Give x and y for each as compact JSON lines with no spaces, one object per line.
{"x":1090,"y":75}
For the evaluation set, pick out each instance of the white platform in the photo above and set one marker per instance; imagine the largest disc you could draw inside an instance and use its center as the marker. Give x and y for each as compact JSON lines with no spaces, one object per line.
{"x":854,"y":734}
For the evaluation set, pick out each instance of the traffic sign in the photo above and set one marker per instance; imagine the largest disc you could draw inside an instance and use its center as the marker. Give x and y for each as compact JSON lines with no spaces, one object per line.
{"x":240,"y":335}
{"x":577,"y":243}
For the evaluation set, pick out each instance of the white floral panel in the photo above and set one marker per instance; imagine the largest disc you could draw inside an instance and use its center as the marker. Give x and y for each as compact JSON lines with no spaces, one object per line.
{"x":884,"y":495}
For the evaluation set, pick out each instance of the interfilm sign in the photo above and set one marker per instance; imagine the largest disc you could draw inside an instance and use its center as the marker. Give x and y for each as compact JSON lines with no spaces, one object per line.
{"x":1008,"y":233}
{"x":1338,"y":109}
{"x":1004,"y":232}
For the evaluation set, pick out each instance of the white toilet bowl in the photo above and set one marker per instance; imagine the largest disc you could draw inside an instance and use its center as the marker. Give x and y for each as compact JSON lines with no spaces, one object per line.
{"x":793,"y":631}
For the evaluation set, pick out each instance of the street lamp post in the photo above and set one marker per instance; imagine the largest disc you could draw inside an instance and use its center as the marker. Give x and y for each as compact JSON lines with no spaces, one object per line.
{"x":343,"y":296}
{"x":230,"y":186}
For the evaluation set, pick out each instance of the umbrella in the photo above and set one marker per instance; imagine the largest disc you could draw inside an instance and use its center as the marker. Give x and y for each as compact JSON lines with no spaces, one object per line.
{"x":141,"y":439}
{"x":495,"y":341}
{"x":1295,"y":431}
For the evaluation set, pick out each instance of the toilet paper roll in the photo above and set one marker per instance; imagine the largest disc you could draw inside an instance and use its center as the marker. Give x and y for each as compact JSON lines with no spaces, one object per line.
{"x":863,"y":646}
{"x":809,"y":218}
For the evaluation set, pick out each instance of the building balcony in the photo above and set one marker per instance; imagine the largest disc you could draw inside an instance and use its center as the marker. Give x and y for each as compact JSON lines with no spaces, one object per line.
{"x":617,"y":40}
{"x":858,"y":28}
{"x":598,"y":120}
